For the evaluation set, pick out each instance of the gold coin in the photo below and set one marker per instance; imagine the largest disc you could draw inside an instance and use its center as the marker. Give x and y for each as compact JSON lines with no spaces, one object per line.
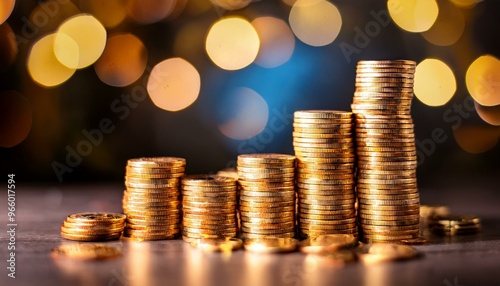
{"x":325,"y":114}
{"x":145,"y":232}
{"x":217,"y":245}
{"x":389,"y":197}
{"x":312,"y":231}
{"x":96,"y":217}
{"x":332,"y":189}
{"x":319,"y":181}
{"x":416,"y":240}
{"x":153,"y":171}
{"x":371,"y":217}
{"x":333,"y":136}
{"x":157,"y":162}
{"x":260,"y":230}
{"x":93,"y":225}
{"x":91,"y":231}
{"x":400,"y":222}
{"x":403,"y":207}
{"x":327,"y":243}
{"x":85,"y":237}
{"x":387,"y":213}
{"x":282,"y":194}
{"x":208,"y":181}
{"x":326,"y":213}
{"x":304,"y":206}
{"x":330,"y":227}
{"x":265,"y":158}
{"x":452,"y":220}
{"x":271,"y":245}
{"x":223,"y":232}
{"x":152,"y":181}
{"x":260,"y":236}
{"x":251,"y":209}
{"x":87,"y":251}
{"x":251,"y":170}
{"x":141,"y":237}
{"x":384,"y":252}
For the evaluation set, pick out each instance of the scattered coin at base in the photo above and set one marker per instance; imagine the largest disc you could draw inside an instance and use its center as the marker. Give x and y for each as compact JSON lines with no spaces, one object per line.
{"x":271,"y":245}
{"x":217,"y":245}
{"x":327,"y":243}
{"x":86,"y":251}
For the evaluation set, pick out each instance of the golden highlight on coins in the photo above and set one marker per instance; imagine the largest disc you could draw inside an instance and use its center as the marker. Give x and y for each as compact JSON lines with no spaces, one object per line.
{"x":388,"y":198}
{"x":324,"y":148}
{"x":209,"y":207}
{"x":151,"y":200}
{"x":93,"y":226}
{"x":267,"y":196}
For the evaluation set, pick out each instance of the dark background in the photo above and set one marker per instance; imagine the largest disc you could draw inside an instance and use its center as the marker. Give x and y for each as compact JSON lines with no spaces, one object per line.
{"x":314,"y":78}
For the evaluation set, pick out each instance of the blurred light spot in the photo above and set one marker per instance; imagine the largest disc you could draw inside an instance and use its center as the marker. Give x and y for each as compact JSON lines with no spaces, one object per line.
{"x":67,"y":50}
{"x":15,"y":118}
{"x":47,"y":16}
{"x":483,"y":80}
{"x":276,"y":41}
{"x":435,"y":82}
{"x":315,"y":22}
{"x":231,"y":4}
{"x":246,"y":112}
{"x":413,"y":15}
{"x":465,"y":3}
{"x":490,"y":114}
{"x":88,"y":33}
{"x":149,"y":11}
{"x":178,"y":9}
{"x":6,"y":7}
{"x":8,"y":47}
{"x":174,"y":84}
{"x":477,"y":139}
{"x":123,"y":60}
{"x":44,"y":67}
{"x":232,"y":43}
{"x":189,"y":41}
{"x":448,"y":28}
{"x":110,"y":13}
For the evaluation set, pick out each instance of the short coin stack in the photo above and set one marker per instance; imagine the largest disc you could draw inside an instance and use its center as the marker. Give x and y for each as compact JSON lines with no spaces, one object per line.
{"x":451,"y":225}
{"x":324,"y":148}
{"x":386,"y":175}
{"x":93,"y":226}
{"x":152,"y":199}
{"x":267,"y":196}
{"x":209,"y":207}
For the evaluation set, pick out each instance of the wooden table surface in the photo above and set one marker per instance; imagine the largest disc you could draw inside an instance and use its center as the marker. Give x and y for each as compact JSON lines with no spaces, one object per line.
{"x":464,"y":260}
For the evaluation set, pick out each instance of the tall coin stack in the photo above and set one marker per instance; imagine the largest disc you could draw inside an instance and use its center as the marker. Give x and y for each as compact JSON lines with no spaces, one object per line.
{"x":324,"y":148}
{"x":267,"y":195}
{"x":209,"y":207}
{"x":387,"y":186}
{"x":151,"y":200}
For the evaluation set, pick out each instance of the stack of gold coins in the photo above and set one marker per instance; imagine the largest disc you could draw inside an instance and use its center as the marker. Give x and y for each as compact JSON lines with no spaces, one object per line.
{"x":93,"y":226}
{"x":152,"y":198}
{"x":267,"y":196}
{"x":324,"y":148}
{"x":209,"y":207}
{"x":386,"y":171}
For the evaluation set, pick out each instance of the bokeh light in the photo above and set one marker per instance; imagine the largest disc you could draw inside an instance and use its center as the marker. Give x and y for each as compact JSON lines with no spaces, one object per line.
{"x":245,"y":112}
{"x":465,"y":3}
{"x":276,"y":41}
{"x":110,"y":13}
{"x":413,"y":15}
{"x":47,"y":16}
{"x":232,"y":43}
{"x":6,"y":7}
{"x":231,"y":4}
{"x":15,"y":118}
{"x":435,"y":82}
{"x":88,"y":33}
{"x":483,"y":80}
{"x":315,"y":22}
{"x":449,"y":26}
{"x":43,"y":66}
{"x":490,"y":114}
{"x":150,"y":11}
{"x":174,"y":84}
{"x":289,"y":2}
{"x":477,"y":139}
{"x":8,"y":47}
{"x":123,"y":60}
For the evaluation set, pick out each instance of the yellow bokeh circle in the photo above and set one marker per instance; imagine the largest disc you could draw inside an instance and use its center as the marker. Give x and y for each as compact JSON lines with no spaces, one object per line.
{"x":435,"y":83}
